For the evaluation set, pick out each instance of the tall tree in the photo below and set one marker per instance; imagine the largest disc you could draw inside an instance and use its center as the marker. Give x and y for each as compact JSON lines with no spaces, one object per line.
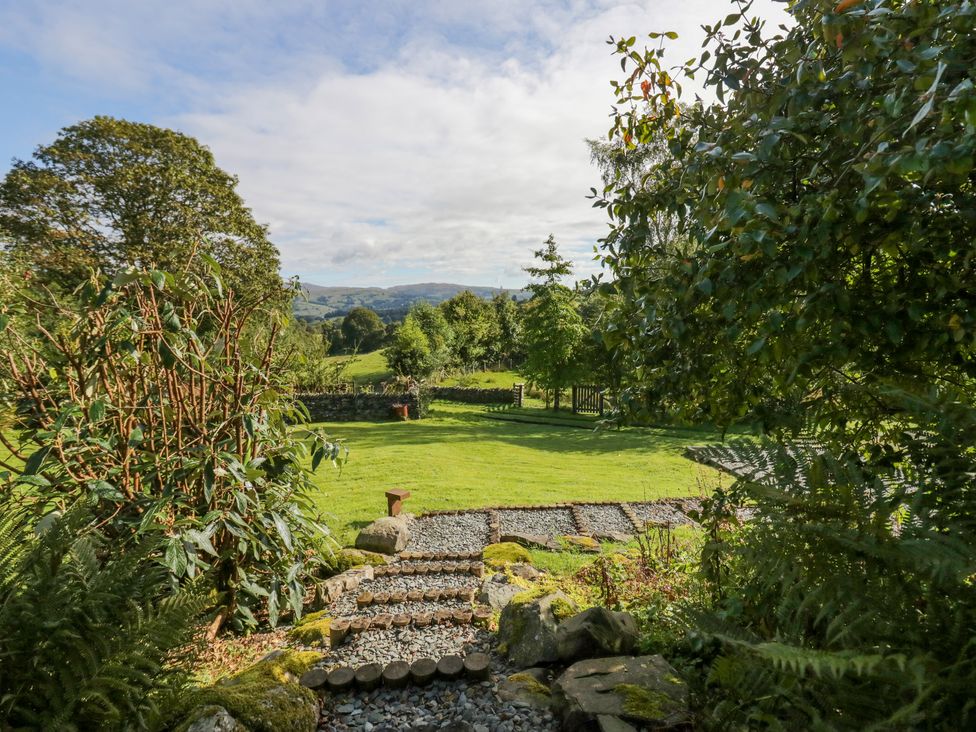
{"x":508,"y":315}
{"x":108,"y":194}
{"x":362,"y":330}
{"x":475,"y":328}
{"x":553,"y":328}
{"x":553,"y":267}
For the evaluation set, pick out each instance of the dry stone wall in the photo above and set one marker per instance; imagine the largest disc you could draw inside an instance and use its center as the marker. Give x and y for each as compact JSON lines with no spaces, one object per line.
{"x":355,"y":407}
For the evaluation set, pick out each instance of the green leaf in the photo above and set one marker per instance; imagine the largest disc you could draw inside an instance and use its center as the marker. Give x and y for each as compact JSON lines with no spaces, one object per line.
{"x":756,"y":346}
{"x":175,"y":558}
{"x":283,"y":530}
{"x":34,"y":462}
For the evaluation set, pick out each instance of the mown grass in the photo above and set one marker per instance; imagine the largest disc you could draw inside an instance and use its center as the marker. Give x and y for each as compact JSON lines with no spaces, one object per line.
{"x":456,"y":458}
{"x":371,"y":368}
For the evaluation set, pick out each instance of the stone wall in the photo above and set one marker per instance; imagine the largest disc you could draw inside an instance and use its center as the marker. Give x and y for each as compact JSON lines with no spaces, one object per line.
{"x":356,"y":407}
{"x":471,"y":395}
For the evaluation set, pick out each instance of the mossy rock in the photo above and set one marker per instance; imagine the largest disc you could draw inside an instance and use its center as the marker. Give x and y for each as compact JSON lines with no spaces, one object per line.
{"x":525,"y":688}
{"x":507,"y":552}
{"x":312,"y":629}
{"x":359,"y":557}
{"x":265,"y":697}
{"x":574,"y":542}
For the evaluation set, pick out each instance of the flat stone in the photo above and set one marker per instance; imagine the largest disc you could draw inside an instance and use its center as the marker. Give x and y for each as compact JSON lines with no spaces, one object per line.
{"x":496,"y":591}
{"x":596,"y":632}
{"x":532,"y":541}
{"x":642,"y":688}
{"x":613,"y":724}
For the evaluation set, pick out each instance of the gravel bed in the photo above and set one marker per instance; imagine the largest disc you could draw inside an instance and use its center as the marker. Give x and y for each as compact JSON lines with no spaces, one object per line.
{"x":392,"y":583}
{"x":540,"y":522}
{"x":462,"y":705}
{"x":464,"y":532}
{"x":607,"y":519}
{"x":345,"y":607}
{"x":660,"y":513}
{"x":407,"y":644}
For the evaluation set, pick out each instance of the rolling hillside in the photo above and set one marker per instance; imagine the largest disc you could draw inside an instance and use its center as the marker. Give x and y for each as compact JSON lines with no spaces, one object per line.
{"x":327,"y":302}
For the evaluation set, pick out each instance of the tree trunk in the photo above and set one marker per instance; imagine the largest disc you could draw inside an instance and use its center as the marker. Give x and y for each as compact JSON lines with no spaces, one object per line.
{"x":555,"y":400}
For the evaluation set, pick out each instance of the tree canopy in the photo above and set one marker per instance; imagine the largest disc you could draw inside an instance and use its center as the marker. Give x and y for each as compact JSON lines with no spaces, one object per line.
{"x":109,"y":194}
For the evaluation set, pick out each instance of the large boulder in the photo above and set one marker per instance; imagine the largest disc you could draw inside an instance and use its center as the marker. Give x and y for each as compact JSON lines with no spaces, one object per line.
{"x":527,"y":627}
{"x":387,"y":535}
{"x":644,"y":689}
{"x":267,"y":697}
{"x":497,"y":591}
{"x":596,"y":632}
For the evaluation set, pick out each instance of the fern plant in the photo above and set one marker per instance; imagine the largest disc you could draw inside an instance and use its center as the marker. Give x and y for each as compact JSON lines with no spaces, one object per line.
{"x":88,"y":633}
{"x":848,"y":601}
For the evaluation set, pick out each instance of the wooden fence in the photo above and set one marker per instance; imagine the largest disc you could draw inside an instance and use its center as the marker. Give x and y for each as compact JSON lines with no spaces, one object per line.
{"x":587,"y":400}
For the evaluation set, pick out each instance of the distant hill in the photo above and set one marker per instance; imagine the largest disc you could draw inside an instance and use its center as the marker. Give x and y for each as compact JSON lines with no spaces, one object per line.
{"x":390,"y":302}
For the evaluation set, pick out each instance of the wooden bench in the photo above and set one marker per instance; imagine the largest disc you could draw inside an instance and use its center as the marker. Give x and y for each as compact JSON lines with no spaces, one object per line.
{"x":394,"y":501}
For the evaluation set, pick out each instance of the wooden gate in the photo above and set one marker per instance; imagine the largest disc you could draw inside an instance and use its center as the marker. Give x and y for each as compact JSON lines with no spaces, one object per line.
{"x":587,"y":400}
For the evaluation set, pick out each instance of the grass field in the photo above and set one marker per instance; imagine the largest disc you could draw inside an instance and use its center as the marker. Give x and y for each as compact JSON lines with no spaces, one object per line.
{"x":371,"y":368}
{"x":456,"y":458}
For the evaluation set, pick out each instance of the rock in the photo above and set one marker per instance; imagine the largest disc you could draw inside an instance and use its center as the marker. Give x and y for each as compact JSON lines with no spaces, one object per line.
{"x":580,"y":543}
{"x":212,"y":718}
{"x":497,"y":591}
{"x":531,"y":541}
{"x":596,"y":632}
{"x":526,"y":688}
{"x":618,"y":537}
{"x":387,"y":535}
{"x":643,"y":688}
{"x":527,"y":627}
{"x":607,"y":723}
{"x":312,"y":630}
{"x":525,"y":571}
{"x":265,"y":697}
{"x":349,"y":558}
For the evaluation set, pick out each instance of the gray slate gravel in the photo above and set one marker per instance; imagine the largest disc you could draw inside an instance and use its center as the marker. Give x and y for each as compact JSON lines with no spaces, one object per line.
{"x":464,"y":532}
{"x":541,"y":522}
{"x":607,"y":519}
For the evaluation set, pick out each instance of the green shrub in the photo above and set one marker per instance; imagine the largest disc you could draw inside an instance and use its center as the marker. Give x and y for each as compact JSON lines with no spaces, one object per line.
{"x":154,"y":397}
{"x":87,"y":632}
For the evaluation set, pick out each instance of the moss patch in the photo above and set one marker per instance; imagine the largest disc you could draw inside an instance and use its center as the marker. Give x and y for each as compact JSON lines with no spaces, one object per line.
{"x":644,"y":703}
{"x":507,"y":552}
{"x":359,"y":557}
{"x":265,"y":697}
{"x":530,"y":683}
{"x":562,"y":609}
{"x":312,"y":629}
{"x":584,"y":543}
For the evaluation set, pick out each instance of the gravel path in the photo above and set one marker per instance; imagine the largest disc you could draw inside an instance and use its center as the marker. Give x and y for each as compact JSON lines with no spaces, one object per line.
{"x":407,"y":644}
{"x":468,"y":706}
{"x":660,"y":513}
{"x":463,"y":532}
{"x":607,"y":519}
{"x":540,"y":522}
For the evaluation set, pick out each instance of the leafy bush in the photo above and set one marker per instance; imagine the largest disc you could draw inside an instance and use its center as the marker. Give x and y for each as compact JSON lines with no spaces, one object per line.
{"x":87,"y":633}
{"x":155,"y":399}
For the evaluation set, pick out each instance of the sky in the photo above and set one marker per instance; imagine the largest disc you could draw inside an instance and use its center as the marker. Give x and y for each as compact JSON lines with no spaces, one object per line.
{"x":383,"y":142}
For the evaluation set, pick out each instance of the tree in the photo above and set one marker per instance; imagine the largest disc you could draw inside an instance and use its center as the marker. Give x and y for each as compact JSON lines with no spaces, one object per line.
{"x":362,"y":330}
{"x":439,"y":334}
{"x":553,"y":268}
{"x":508,"y":315}
{"x":553,"y":329}
{"x":475,"y":329}
{"x":109,"y":194}
{"x":410,"y":354}
{"x":828,"y":291}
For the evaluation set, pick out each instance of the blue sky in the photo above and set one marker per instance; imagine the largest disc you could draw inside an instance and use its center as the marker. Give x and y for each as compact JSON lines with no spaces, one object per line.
{"x":382,"y":142}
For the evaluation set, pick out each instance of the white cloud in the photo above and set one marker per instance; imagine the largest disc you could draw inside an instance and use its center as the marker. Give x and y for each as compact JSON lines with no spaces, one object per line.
{"x":450,"y":153}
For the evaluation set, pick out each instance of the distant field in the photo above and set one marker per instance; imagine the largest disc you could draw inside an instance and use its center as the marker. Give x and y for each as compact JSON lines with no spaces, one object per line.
{"x":459,"y":459}
{"x":371,"y":368}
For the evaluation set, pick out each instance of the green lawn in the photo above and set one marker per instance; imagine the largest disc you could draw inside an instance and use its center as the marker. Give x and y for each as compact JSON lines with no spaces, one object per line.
{"x":456,"y":458}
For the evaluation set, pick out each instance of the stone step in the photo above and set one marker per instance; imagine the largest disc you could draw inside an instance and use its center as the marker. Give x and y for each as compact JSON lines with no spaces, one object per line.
{"x":344,"y":627}
{"x":424,"y":568}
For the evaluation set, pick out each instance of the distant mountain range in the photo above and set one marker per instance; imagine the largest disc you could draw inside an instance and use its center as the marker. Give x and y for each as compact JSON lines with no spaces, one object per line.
{"x":391,"y":302}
